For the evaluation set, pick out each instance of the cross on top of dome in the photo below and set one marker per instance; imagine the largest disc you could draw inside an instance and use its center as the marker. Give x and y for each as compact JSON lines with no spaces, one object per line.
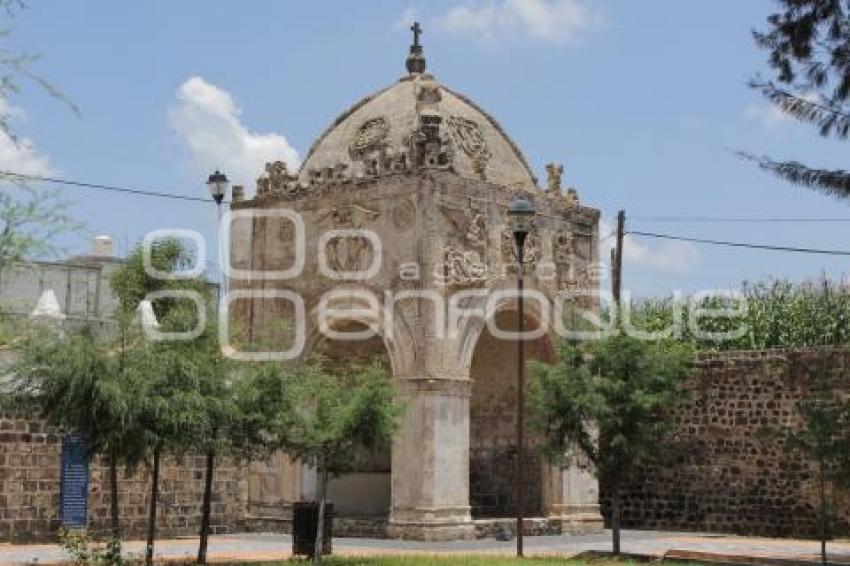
{"x":416,"y":60}
{"x":417,"y":30}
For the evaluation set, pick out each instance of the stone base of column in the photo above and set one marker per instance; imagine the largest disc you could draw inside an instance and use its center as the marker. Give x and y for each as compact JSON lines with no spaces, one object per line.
{"x":443,"y":524}
{"x":578,"y":519}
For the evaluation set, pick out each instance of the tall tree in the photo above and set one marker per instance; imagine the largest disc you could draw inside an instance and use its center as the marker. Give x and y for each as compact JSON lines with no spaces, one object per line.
{"x":163,"y":380}
{"x":606,"y":406}
{"x":808,"y":47}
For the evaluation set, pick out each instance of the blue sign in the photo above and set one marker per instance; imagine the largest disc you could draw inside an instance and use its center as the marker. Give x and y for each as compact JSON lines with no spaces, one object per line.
{"x":74,"y":482}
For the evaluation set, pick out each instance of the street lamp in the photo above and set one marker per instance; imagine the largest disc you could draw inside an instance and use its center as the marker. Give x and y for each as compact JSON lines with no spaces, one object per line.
{"x":218,"y":184}
{"x":520,"y":212}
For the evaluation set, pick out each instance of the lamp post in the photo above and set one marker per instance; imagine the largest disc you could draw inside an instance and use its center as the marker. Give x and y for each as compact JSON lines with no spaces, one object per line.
{"x":218,"y":184}
{"x":520,"y":212}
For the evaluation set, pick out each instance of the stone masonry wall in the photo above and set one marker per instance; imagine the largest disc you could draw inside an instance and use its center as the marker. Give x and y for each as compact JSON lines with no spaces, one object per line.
{"x":720,"y":472}
{"x":29,"y":490}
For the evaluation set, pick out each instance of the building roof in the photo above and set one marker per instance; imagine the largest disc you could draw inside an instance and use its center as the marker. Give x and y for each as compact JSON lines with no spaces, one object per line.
{"x":387,"y":120}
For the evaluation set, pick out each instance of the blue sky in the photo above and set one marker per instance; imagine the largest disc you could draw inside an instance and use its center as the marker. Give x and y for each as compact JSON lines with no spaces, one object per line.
{"x":642,"y":102}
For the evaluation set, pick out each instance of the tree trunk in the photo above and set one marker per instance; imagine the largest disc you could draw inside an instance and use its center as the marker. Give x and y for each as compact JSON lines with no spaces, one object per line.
{"x":615,"y":518}
{"x":824,"y":514}
{"x":113,"y":496}
{"x":152,"y":512}
{"x":207,"y":505}
{"x":320,"y":522}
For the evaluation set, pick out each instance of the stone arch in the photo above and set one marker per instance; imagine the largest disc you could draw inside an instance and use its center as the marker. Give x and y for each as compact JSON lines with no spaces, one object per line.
{"x":365,"y":493}
{"x":491,"y":362}
{"x":471,"y":328}
{"x":399,"y":341}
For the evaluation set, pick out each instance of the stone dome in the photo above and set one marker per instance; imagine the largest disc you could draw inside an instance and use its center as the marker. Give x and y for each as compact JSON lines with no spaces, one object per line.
{"x":394,"y":126}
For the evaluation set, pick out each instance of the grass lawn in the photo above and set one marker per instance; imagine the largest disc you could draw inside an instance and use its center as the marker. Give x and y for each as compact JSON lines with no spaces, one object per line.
{"x":469,"y":560}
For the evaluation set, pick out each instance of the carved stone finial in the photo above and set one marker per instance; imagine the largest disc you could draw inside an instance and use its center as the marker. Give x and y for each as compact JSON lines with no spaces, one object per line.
{"x":572,"y":197}
{"x":416,"y":60}
{"x":553,"y":182}
{"x":238,"y":193}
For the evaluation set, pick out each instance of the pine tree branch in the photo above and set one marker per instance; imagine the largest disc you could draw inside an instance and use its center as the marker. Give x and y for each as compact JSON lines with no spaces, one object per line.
{"x":834,"y":182}
{"x":830,"y":120}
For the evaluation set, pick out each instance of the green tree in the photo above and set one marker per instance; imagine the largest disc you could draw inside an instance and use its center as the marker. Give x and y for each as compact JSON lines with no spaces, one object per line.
{"x":808,"y":48}
{"x":824,"y":439}
{"x":74,"y":380}
{"x":607,"y":405}
{"x":164,"y":381}
{"x":30,"y":219}
{"x":30,"y":222}
{"x":328,"y":419}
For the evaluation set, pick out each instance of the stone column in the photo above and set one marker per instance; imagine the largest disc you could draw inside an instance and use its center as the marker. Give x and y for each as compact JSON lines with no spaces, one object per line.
{"x":571,"y":496}
{"x":430,"y":461}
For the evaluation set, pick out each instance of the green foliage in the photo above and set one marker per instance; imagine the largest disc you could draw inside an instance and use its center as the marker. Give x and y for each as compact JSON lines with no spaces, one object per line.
{"x":778,"y":314}
{"x":807,"y":42}
{"x":608,"y":406}
{"x":84,"y":552}
{"x":132,"y":282}
{"x":74,"y":382}
{"x":327,"y":418}
{"x":608,"y":402}
{"x":30,"y":222}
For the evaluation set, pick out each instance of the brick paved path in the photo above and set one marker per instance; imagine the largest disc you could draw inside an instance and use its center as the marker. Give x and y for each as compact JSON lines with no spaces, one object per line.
{"x":273,"y":546}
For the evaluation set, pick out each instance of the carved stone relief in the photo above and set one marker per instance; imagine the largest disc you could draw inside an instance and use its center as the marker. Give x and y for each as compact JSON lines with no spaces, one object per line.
{"x":469,"y":221}
{"x":461,"y":267}
{"x":349,"y":253}
{"x":277,"y":181}
{"x":468,"y":137}
{"x":554,"y":173}
{"x":403,"y":215}
{"x":370,"y":137}
{"x":532,"y":252}
{"x":562,"y":256}
{"x":463,"y":263}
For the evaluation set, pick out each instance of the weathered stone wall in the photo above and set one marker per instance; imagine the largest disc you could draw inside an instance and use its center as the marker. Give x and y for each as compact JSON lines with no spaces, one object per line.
{"x":29,"y":490}
{"x":492,"y":434}
{"x":720,"y":472}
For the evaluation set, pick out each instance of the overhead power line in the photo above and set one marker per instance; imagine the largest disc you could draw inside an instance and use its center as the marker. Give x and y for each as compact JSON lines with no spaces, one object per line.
{"x":127,"y":190}
{"x":739,"y":244}
{"x":732,"y":219}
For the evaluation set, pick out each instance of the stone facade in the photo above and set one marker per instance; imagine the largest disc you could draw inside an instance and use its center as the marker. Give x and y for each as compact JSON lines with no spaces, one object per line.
{"x":396,"y":225}
{"x":720,"y":472}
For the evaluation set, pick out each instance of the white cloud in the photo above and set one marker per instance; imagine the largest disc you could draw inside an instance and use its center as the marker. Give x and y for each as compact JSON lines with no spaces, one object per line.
{"x":667,"y":256}
{"x":552,"y":21}
{"x":209,"y":123}
{"x":21,"y":157}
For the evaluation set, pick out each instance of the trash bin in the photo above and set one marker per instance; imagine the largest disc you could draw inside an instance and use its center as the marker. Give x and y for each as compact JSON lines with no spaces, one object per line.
{"x":305,"y":518}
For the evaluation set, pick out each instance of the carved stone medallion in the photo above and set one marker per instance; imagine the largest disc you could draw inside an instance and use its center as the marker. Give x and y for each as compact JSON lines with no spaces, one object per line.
{"x":403,"y":215}
{"x":468,"y":137}
{"x":461,"y":268}
{"x":369,"y":137}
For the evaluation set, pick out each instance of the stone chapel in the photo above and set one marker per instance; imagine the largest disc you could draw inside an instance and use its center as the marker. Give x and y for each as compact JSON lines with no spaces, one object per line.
{"x":399,"y":210}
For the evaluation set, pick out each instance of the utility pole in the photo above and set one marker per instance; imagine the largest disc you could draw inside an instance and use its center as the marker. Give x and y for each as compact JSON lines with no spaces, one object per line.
{"x":617,"y":260}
